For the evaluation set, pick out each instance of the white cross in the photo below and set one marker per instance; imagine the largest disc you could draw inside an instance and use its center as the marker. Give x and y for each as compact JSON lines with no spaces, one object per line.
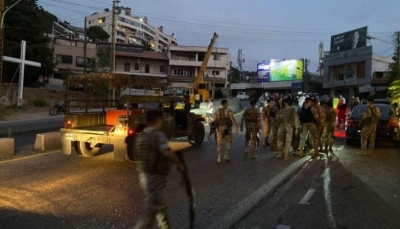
{"x":22,"y":63}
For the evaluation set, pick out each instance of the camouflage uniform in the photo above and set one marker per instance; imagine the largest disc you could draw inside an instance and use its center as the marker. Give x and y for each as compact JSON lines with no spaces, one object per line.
{"x":223,"y":132}
{"x":287,"y":123}
{"x":310,"y":128}
{"x":252,"y":118}
{"x":329,"y":130}
{"x":296,"y":138}
{"x":266,"y":127}
{"x":320,"y":122}
{"x":275,"y":127}
{"x":153,"y":168}
{"x":368,"y":132}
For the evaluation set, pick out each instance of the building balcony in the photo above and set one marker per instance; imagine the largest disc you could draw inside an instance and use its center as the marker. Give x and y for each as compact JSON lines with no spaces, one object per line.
{"x":192,"y":63}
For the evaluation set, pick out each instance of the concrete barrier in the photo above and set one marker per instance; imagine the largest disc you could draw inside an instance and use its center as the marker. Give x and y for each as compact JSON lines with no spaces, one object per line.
{"x":48,"y":141}
{"x":7,"y":147}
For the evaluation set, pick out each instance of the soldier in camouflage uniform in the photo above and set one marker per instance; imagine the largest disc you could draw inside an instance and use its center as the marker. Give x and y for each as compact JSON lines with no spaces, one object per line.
{"x":266,"y":121}
{"x":287,"y":118}
{"x":154,"y":154}
{"x":275,"y":123}
{"x":320,"y":122}
{"x":252,"y":118}
{"x":308,"y":119}
{"x":370,"y":120}
{"x":224,"y":119}
{"x":329,"y":130}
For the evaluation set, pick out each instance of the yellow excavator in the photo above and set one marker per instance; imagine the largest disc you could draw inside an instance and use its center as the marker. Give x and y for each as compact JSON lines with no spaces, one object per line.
{"x":201,"y":90}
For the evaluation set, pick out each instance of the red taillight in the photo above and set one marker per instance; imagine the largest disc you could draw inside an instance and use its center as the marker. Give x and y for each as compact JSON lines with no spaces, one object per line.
{"x":349,"y":122}
{"x":131,"y":132}
{"x":393,"y":122}
{"x":68,"y":124}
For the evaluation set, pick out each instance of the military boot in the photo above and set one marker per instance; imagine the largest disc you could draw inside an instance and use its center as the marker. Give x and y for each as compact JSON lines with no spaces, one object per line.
{"x":287,"y":158}
{"x":362,"y":153}
{"x":279,"y":155}
{"x":369,"y":152}
{"x":219,"y":158}
{"x":226,"y":157}
{"x":253,"y":155}
{"x":299,"y":153}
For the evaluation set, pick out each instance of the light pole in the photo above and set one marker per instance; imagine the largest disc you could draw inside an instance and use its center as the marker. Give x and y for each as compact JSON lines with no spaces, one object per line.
{"x":2,"y":14}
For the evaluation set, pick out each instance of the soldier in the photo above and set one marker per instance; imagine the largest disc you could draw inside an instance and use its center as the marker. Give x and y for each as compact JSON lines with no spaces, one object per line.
{"x":154,"y":155}
{"x":320,"y":122}
{"x":252,"y":118}
{"x":224,"y":119}
{"x":370,"y":120}
{"x":329,"y":130}
{"x":274,"y":123}
{"x":287,"y":118}
{"x":308,"y":119}
{"x":266,"y":121}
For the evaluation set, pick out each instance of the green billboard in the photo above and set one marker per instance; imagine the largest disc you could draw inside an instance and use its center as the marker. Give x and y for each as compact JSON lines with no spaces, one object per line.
{"x":286,"y":70}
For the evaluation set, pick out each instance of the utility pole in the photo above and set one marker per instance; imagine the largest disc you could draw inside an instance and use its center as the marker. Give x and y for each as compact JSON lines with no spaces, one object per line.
{"x":84,"y":49}
{"x":240,"y":61}
{"x":113,"y":35}
{"x":2,"y":14}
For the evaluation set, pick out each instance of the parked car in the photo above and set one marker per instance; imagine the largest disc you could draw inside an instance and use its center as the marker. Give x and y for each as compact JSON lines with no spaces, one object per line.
{"x":387,"y":129}
{"x":378,"y":100}
{"x":242,"y":95}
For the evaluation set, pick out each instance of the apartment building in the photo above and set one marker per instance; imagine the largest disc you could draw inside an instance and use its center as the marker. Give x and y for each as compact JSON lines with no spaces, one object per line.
{"x":131,"y":29}
{"x":145,"y":63}
{"x":69,"y":55}
{"x":185,"y":62}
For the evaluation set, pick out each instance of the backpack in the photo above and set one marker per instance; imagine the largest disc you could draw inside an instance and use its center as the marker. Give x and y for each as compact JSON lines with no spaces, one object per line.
{"x":223,"y":120}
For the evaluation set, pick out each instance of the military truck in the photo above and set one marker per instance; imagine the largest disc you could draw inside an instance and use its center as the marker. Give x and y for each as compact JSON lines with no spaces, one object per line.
{"x":92,"y":123}
{"x":117,"y":123}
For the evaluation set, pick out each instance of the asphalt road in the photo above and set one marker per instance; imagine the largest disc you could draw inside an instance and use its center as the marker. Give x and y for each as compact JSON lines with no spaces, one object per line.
{"x":31,"y":126}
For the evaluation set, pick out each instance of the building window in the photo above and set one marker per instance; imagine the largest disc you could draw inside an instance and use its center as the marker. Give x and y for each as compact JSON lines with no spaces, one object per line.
{"x":361,"y":70}
{"x":127,"y":67}
{"x":80,"y":62}
{"x":216,"y":57}
{"x":162,"y":68}
{"x":101,"y":20}
{"x":147,"y":68}
{"x":137,"y":67}
{"x":183,"y":72}
{"x":216,"y":73}
{"x":62,"y":59}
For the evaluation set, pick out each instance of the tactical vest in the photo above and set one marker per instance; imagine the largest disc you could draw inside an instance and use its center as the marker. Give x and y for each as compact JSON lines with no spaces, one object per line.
{"x":223,"y":120}
{"x":251,"y":116}
{"x":307,"y":115}
{"x":150,"y":159}
{"x":373,"y":119}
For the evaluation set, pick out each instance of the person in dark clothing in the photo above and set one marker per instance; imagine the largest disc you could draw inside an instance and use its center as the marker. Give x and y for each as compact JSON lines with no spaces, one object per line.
{"x":342,"y":111}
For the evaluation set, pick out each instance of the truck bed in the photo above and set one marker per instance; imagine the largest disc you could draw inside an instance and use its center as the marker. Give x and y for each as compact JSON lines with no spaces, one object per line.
{"x":98,"y":129}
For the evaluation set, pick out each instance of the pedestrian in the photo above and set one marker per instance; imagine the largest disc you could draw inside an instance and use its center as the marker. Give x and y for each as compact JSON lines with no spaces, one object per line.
{"x":287,"y":126}
{"x":224,"y":119}
{"x":320,"y":122}
{"x":252,"y":118}
{"x":154,"y":154}
{"x":308,"y":119}
{"x":274,"y":123}
{"x":369,"y":121}
{"x":266,"y":121}
{"x":210,"y":109}
{"x":342,"y":109}
{"x":329,"y":129}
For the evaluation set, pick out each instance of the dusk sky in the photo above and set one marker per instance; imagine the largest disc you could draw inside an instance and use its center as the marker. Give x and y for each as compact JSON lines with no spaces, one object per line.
{"x":263,"y":29}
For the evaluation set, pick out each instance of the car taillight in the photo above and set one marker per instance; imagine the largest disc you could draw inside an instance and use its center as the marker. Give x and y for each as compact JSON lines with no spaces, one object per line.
{"x":131,"y":131}
{"x":350,"y":122}
{"x":68,"y":124}
{"x":393,"y":122}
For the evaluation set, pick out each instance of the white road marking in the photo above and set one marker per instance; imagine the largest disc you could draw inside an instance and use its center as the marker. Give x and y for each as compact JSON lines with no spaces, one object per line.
{"x":328,"y":197}
{"x":340,"y":148}
{"x":283,"y":227}
{"x":29,"y":157}
{"x":307,"y":196}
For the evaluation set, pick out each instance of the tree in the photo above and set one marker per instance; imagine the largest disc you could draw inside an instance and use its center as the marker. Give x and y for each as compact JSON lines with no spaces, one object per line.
{"x":146,"y":45}
{"x":394,"y":75}
{"x":96,"y":33}
{"x":234,"y":75}
{"x":103,"y":59}
{"x":30,"y":22}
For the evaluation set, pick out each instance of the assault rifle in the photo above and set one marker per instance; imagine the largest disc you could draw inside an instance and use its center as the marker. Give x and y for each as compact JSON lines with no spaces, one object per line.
{"x":189,"y":189}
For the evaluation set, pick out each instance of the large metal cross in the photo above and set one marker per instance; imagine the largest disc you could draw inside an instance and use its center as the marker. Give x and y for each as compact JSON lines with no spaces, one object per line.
{"x":22,"y":63}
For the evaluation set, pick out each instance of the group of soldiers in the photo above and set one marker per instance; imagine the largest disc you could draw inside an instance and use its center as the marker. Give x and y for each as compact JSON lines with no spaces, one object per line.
{"x":289,"y":128}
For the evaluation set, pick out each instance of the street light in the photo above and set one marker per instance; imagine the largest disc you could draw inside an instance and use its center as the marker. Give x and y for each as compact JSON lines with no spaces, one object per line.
{"x":4,"y":14}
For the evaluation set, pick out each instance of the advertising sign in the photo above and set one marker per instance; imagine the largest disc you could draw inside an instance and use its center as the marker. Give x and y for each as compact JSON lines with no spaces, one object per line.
{"x":286,"y":70}
{"x":263,"y":71}
{"x":349,"y":40}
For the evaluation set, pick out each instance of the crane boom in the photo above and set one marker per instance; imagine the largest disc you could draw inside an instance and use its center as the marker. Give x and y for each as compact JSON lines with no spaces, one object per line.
{"x":200,"y":74}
